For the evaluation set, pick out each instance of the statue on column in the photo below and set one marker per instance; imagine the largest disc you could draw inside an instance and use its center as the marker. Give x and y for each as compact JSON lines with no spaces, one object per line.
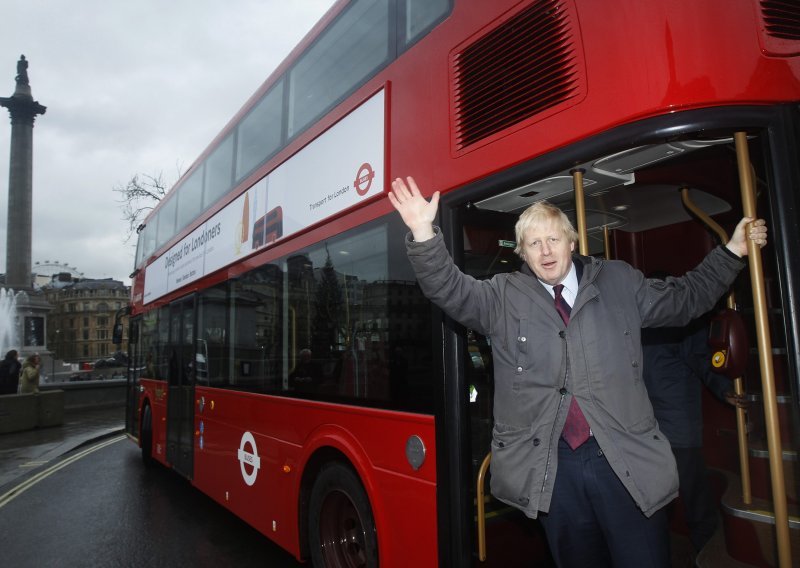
{"x":22,"y":71}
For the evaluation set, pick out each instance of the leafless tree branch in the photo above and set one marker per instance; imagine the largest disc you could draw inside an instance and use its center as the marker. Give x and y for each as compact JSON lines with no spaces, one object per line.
{"x":138,"y":197}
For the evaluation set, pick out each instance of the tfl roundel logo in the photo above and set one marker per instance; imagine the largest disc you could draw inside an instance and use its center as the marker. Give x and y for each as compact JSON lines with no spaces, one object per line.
{"x":249,"y":462}
{"x":364,"y":179}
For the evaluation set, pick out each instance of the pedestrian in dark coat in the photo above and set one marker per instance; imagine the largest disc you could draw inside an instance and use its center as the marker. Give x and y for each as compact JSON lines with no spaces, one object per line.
{"x":9,"y":373}
{"x":677,"y":363}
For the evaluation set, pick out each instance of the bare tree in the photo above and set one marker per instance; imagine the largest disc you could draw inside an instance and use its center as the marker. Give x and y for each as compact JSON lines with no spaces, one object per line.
{"x":138,"y":197}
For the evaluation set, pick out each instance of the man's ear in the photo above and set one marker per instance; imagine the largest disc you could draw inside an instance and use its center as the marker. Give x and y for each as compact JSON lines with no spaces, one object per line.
{"x":572,"y":246}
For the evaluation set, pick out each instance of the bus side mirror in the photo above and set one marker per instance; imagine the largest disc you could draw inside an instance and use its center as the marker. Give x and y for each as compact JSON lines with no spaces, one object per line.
{"x":727,"y":338}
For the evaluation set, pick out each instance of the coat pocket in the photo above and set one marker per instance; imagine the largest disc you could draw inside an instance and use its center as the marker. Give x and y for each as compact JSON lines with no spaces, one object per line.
{"x":512,"y":465}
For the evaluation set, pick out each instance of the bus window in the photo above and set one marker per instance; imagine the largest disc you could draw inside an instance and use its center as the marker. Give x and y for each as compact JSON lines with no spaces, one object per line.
{"x":360,"y":321}
{"x":190,"y":199}
{"x":166,"y":221}
{"x":211,"y":351}
{"x":421,"y":15}
{"x":162,"y":344}
{"x":147,"y":241}
{"x":256,"y":334}
{"x":259,"y":134}
{"x":148,"y":344}
{"x":350,"y":50}
{"x":219,"y":172}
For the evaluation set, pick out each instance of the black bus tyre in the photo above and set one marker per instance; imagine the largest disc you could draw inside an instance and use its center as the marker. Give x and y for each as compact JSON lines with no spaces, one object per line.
{"x":341,"y":527}
{"x":146,"y":436}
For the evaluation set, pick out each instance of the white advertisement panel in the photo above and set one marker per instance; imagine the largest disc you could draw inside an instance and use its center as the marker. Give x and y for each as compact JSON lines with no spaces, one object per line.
{"x":338,"y":170}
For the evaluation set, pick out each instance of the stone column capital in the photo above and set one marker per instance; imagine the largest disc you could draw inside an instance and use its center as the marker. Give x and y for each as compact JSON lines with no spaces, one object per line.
{"x":23,"y":110}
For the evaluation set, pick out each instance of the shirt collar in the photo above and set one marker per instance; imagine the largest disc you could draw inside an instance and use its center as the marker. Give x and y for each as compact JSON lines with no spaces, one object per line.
{"x":570,"y":284}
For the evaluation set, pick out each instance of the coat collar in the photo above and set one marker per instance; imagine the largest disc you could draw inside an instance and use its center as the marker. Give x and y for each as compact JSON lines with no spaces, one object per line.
{"x":586,"y":269}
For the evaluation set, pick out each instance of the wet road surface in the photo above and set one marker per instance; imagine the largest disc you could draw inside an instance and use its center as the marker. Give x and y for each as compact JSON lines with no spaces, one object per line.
{"x":99,"y":506}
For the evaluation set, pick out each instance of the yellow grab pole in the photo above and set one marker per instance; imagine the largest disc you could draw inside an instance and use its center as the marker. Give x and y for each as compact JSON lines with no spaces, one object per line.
{"x":765,"y":359}
{"x":741,"y":416}
{"x":606,"y":243}
{"x":481,"y":510}
{"x":580,"y":210}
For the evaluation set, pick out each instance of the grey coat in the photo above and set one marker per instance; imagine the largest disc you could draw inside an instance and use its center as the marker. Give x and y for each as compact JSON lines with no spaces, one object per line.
{"x":540,"y":364}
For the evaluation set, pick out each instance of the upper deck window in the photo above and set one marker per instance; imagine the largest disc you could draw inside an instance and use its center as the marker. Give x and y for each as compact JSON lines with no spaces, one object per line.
{"x":342,"y":58}
{"x":166,"y":220}
{"x":363,"y":39}
{"x":421,"y":15}
{"x":146,"y":244}
{"x":219,"y":172}
{"x":260,"y":133}
{"x":190,"y":199}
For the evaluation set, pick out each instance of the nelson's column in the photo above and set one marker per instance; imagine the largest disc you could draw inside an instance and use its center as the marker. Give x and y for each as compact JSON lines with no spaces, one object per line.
{"x":31,"y":306}
{"x":23,"y":110}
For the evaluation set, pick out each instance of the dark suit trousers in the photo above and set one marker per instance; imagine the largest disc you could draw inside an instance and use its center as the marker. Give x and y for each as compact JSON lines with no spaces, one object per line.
{"x":593,"y":521}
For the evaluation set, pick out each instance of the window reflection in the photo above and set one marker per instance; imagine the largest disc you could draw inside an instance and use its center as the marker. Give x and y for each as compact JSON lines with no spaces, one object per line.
{"x":340,"y":321}
{"x":350,"y":50}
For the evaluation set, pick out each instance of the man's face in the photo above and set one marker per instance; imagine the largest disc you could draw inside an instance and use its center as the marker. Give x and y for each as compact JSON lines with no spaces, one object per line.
{"x":547,"y":252}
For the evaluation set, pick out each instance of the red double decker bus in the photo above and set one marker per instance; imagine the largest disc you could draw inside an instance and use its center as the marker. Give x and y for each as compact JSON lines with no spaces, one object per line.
{"x":283,"y":358}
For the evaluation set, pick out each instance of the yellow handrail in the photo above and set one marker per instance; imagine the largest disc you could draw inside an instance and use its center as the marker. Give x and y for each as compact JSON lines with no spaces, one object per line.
{"x":765,"y":359}
{"x":738,"y":385}
{"x":480,"y":493}
{"x":580,"y":211}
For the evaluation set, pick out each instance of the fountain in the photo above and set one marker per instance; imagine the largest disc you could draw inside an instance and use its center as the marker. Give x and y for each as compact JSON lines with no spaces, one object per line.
{"x":8,"y":321}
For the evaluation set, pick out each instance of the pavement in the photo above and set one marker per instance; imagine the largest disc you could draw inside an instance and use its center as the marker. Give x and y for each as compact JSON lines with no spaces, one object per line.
{"x":23,"y":452}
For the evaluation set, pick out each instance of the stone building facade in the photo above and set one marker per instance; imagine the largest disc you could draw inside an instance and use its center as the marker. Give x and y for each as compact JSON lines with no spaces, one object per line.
{"x":80,"y":326}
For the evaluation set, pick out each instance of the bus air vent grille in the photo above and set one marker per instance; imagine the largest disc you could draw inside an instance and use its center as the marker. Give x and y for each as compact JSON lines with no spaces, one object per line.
{"x":782,"y":18}
{"x":525,"y":66}
{"x":781,"y":25}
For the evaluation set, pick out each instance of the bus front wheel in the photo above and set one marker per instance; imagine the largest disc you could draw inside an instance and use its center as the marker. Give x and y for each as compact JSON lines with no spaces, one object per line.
{"x":146,"y":436}
{"x":341,"y":528}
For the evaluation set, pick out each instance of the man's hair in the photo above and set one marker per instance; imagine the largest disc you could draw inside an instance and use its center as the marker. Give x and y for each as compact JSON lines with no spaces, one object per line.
{"x":538,"y":213}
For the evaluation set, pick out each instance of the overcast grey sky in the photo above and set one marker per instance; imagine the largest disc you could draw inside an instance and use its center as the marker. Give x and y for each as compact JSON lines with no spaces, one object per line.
{"x":130,"y":88}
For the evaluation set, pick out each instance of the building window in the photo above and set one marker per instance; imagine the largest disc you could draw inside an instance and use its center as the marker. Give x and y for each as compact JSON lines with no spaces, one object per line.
{"x":85,"y":322}
{"x":86,"y":335}
{"x":102,"y":334}
{"x":102,"y":322}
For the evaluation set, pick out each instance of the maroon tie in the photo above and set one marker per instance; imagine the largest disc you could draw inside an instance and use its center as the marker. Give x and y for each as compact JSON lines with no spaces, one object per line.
{"x":576,"y":428}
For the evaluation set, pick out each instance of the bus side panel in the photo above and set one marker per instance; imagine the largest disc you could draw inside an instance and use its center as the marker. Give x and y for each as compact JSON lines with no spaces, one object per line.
{"x":155,"y":392}
{"x":251,"y":452}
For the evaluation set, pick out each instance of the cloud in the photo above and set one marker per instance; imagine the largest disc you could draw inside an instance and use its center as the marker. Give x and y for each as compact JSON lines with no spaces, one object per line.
{"x":130,"y":88}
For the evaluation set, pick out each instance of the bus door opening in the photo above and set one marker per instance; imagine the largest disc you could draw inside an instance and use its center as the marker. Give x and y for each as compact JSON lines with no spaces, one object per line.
{"x":629,"y":207}
{"x":511,"y":538}
{"x":181,"y":363}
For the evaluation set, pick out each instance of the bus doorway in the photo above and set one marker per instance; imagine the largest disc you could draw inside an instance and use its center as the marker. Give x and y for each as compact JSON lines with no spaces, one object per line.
{"x":181,"y":379}
{"x":511,"y":539}
{"x":641,"y":207}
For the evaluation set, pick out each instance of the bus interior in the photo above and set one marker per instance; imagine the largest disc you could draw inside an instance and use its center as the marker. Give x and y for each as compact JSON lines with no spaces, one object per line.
{"x":640,"y":205}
